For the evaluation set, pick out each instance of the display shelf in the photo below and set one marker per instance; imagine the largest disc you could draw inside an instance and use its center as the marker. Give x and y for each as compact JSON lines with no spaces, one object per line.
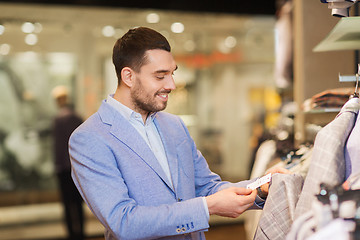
{"x":323,"y":110}
{"x":344,"y":36}
{"x":319,"y":118}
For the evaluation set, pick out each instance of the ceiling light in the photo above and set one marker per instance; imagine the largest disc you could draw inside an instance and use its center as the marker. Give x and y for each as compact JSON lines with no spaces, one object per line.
{"x":177,"y":27}
{"x":31,"y":39}
{"x":222,"y":48}
{"x":37,"y":27}
{"x":189,"y":45}
{"x":2,"y":29}
{"x":4,"y":49}
{"x":108,"y":31}
{"x":230,"y":42}
{"x":27,"y":27}
{"x":153,"y":18}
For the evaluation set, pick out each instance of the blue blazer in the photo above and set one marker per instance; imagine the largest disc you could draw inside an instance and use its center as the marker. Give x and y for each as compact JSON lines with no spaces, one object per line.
{"x":125,"y":187}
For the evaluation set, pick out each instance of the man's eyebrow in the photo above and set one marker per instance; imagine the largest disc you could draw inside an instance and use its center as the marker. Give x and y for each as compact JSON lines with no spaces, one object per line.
{"x":166,"y":71}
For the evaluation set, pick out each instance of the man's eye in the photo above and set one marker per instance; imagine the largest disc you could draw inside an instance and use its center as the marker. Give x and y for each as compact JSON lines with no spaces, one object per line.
{"x":160,"y":77}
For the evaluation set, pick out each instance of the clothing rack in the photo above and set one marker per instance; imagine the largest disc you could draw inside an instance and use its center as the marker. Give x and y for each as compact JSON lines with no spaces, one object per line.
{"x":352,"y":78}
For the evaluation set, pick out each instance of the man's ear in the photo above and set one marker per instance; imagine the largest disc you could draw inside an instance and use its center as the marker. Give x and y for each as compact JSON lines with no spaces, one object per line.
{"x":127,"y":76}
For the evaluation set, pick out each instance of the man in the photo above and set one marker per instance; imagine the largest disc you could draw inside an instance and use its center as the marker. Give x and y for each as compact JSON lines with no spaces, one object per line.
{"x":137,"y":168}
{"x":65,"y":122}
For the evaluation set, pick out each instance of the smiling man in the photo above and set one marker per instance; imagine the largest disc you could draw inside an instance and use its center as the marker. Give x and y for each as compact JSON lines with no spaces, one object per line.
{"x":138,"y":168}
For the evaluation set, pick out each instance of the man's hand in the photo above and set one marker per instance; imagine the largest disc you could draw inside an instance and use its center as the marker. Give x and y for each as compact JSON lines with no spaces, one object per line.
{"x":278,"y":170}
{"x":265,"y":187}
{"x":230,"y":202}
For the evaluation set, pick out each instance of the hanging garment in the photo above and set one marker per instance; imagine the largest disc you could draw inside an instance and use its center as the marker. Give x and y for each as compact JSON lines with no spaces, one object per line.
{"x":306,"y":227}
{"x":334,"y":215}
{"x":328,"y":161}
{"x":264,"y":155}
{"x":299,"y":165}
{"x":279,"y":210}
{"x":302,"y":227}
{"x":353,"y":182}
{"x":337,"y":229}
{"x":302,"y":167}
{"x":252,"y":218}
{"x":284,"y":47}
{"x":352,"y":150}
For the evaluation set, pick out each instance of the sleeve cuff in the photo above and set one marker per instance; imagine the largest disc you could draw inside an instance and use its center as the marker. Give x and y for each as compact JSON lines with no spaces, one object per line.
{"x":259,"y":203}
{"x":206,"y":208}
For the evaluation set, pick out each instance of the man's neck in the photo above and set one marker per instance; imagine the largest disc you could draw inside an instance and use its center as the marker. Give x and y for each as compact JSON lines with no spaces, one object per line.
{"x":121,"y":96}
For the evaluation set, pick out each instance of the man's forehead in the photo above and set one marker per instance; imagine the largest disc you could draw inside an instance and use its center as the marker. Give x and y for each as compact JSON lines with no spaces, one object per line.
{"x":161,"y":58}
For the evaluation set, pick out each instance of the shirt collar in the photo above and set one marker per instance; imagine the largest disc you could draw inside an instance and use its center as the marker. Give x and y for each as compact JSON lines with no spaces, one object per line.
{"x":125,"y":111}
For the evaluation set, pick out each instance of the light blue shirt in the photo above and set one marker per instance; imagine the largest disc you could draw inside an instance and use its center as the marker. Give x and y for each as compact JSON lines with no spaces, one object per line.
{"x":150,"y":134}
{"x":147,"y":130}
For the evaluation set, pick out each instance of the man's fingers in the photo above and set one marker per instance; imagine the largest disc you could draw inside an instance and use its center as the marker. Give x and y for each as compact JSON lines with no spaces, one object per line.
{"x":279,"y":170}
{"x":242,"y":191}
{"x":249,"y":199}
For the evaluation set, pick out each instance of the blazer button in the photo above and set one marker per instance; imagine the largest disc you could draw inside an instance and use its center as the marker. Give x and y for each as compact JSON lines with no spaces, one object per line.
{"x":178,"y":230}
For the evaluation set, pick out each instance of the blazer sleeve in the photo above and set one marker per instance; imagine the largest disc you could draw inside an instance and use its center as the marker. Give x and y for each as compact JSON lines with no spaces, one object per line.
{"x":208,"y":182}
{"x":101,"y":184}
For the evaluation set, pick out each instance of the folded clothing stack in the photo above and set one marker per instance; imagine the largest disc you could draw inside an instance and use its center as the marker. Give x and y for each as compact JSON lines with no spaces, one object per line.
{"x":331,"y":98}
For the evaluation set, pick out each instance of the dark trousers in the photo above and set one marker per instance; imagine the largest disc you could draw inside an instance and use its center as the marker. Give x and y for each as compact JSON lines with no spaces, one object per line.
{"x":72,"y":203}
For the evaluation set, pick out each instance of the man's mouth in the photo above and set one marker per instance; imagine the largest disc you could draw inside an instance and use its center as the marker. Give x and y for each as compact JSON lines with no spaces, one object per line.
{"x":163,"y":95}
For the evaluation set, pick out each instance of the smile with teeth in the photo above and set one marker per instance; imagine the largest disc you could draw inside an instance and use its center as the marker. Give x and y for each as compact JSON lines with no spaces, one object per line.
{"x":163,"y":96}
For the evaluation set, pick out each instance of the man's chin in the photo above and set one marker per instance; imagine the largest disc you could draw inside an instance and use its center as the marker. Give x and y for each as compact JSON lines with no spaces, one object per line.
{"x":161,"y":108}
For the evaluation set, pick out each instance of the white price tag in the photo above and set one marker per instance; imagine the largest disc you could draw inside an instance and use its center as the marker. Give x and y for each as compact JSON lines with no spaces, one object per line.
{"x":259,"y":182}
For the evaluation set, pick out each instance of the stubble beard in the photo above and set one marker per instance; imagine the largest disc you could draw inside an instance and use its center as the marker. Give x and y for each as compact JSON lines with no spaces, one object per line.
{"x":145,"y":102}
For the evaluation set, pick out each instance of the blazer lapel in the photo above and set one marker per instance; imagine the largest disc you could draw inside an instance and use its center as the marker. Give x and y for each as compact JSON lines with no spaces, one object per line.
{"x":167,"y":137}
{"x":127,"y":134}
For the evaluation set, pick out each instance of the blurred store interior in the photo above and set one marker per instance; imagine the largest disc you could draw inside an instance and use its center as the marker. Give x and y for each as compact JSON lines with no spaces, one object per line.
{"x":229,"y":91}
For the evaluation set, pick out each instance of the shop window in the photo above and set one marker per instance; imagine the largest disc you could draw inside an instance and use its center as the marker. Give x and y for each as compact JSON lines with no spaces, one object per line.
{"x":26,"y":113}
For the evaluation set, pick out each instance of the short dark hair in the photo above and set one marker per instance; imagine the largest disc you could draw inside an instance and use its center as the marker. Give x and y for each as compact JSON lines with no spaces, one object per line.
{"x":129,"y":50}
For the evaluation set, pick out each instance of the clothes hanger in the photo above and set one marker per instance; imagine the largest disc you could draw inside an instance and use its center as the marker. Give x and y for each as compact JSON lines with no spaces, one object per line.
{"x":356,"y":93}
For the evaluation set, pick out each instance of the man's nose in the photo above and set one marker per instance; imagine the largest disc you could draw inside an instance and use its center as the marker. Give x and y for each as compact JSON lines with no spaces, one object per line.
{"x":170,"y":84}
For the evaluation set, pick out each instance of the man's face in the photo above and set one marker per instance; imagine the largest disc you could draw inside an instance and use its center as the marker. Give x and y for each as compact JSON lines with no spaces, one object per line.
{"x":153,"y":82}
